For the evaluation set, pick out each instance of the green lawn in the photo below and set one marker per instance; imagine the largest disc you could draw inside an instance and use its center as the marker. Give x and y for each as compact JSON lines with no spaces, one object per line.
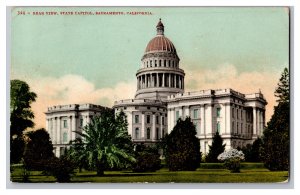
{"x":253,"y":173}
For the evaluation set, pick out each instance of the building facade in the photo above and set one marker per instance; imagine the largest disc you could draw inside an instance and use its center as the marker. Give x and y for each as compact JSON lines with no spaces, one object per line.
{"x":63,"y":120}
{"x":160,"y":100}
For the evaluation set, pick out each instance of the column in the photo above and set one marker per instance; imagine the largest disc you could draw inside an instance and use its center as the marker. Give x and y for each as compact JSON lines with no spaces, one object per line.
{"x":137,"y":82}
{"x":208,"y":120}
{"x":202,"y":121}
{"x":254,"y":122}
{"x":153,"y":127}
{"x":187,"y":111}
{"x":70,"y":128}
{"x":169,"y":80}
{"x":161,"y":126}
{"x":54,"y":130}
{"x":180,"y":113}
{"x":169,"y":119}
{"x":180,"y":82}
{"x":74,"y":127}
{"x":58,"y":131}
{"x":151,"y":78}
{"x":143,"y":126}
{"x":163,"y":80}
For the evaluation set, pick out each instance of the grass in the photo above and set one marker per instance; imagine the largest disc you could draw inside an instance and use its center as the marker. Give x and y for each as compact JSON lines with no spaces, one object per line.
{"x":251,"y":173}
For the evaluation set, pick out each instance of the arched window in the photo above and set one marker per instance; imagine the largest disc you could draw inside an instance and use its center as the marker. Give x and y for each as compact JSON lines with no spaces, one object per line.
{"x":148,"y":133}
{"x":155,"y":63}
{"x":65,"y":137}
{"x":137,"y":133}
{"x":150,"y":63}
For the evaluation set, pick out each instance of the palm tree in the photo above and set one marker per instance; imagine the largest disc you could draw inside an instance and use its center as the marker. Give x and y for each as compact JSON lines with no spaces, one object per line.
{"x":106,"y":143}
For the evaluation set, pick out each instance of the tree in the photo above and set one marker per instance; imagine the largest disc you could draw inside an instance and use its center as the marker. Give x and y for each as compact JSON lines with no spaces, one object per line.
{"x":217,"y":147}
{"x":147,"y":159}
{"x":183,"y":147}
{"x":276,"y":139}
{"x":38,"y":150}
{"x":21,"y":117}
{"x":252,"y":151}
{"x":106,"y":143}
{"x":282,"y":91}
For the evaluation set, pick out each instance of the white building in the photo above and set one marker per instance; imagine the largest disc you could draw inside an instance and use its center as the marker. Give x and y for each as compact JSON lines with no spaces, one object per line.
{"x":160,"y":100}
{"x":63,"y":120}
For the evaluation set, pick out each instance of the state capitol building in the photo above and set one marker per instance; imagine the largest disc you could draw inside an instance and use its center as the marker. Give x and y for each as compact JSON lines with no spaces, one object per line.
{"x":160,"y":100}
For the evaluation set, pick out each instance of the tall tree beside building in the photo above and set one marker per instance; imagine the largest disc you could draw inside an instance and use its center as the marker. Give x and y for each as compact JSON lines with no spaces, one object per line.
{"x":106,"y":143}
{"x":276,"y":139}
{"x":21,"y":116}
{"x":183,"y":147}
{"x":217,"y":147}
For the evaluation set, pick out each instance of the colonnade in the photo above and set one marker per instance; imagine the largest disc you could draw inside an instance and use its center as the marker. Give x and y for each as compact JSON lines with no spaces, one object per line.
{"x":160,"y":63}
{"x":170,"y":80}
{"x":258,"y":121}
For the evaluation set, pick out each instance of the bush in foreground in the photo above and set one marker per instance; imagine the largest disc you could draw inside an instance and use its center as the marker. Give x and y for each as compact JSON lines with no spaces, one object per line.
{"x":147,"y":159}
{"x":232,"y":160}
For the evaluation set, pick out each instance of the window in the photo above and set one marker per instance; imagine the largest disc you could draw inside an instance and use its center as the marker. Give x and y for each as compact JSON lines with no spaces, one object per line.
{"x":218,"y":127}
{"x":196,"y":113}
{"x":177,"y":115}
{"x":81,"y":122}
{"x":232,"y":112}
{"x":242,"y":114}
{"x":218,"y":112}
{"x":148,"y":119}
{"x":65,"y":124}
{"x":137,"y":133}
{"x":157,"y":133}
{"x":159,"y":63}
{"x":237,"y":127}
{"x":232,"y":126}
{"x":136,"y":119}
{"x":157,"y":120}
{"x":65,"y":137}
{"x":148,"y":133}
{"x":237,"y":113}
{"x":163,"y":120}
{"x":163,"y":132}
{"x":165,"y":63}
{"x":155,"y":63}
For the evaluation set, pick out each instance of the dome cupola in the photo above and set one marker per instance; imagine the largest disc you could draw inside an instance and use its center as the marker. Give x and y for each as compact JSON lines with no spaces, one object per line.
{"x":159,"y":75}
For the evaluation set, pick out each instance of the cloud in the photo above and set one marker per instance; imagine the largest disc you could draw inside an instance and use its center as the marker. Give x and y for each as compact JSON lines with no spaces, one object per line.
{"x":73,"y":89}
{"x":227,"y":76}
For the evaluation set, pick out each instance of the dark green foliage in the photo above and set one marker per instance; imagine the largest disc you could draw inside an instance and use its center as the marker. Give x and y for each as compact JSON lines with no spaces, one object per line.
{"x":21,"y":117}
{"x":282,"y":91}
{"x":183,"y":147}
{"x":233,"y":164}
{"x":252,"y":151}
{"x":16,"y":149}
{"x":217,"y":147}
{"x":21,"y":114}
{"x":61,"y":168}
{"x":276,"y":139}
{"x":147,"y":159}
{"x":105,"y":143}
{"x":38,"y":150}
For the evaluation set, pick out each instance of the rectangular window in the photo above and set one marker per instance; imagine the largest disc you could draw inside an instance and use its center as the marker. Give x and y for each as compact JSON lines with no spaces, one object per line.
{"x":237,"y":113}
{"x":218,"y":127}
{"x":237,"y":127}
{"x":196,"y":114}
{"x":148,"y":119}
{"x":163,"y":120}
{"x":232,"y":112}
{"x":148,"y":133}
{"x":232,"y":126}
{"x":81,"y":122}
{"x":65,"y":124}
{"x":177,"y":115}
{"x":136,"y":119}
{"x":157,"y":133}
{"x":157,"y":119}
{"x":218,"y":112}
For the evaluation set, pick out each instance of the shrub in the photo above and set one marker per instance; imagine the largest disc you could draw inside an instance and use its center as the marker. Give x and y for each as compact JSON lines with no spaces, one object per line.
{"x":61,"y":168}
{"x":147,"y":160}
{"x":232,"y":160}
{"x":216,"y":148}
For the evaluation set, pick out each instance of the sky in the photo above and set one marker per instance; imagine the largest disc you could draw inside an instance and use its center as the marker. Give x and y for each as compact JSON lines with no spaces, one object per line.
{"x":94,"y":58}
